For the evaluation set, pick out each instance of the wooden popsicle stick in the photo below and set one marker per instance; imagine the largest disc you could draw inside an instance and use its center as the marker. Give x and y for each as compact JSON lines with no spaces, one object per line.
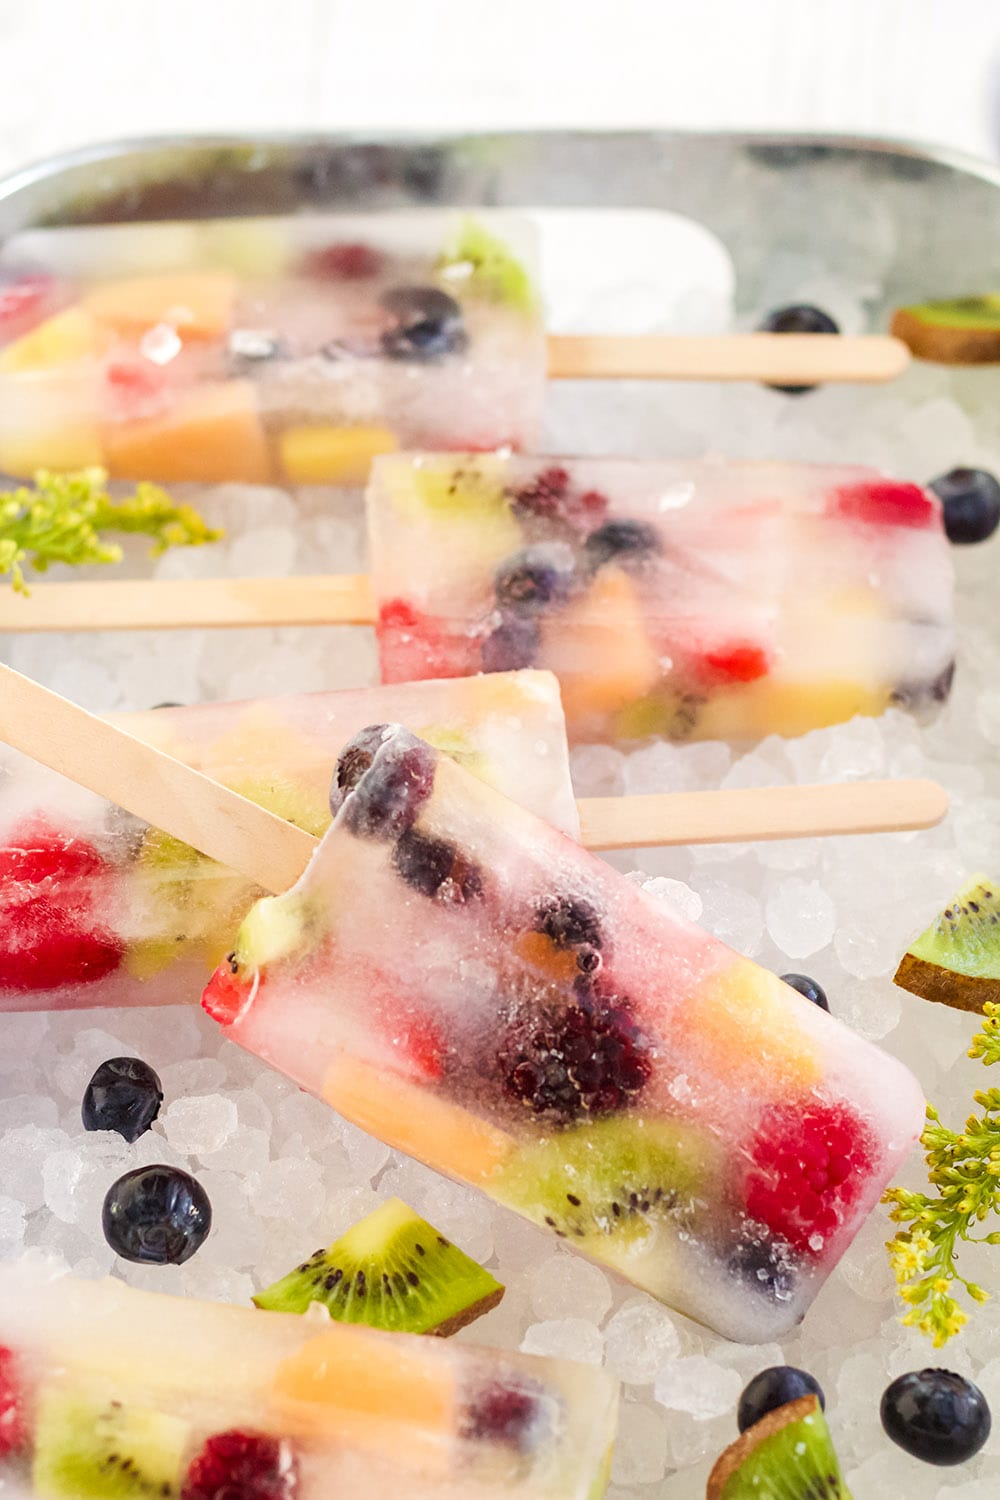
{"x":756,"y":814}
{"x":187,"y":603}
{"x":774,"y":358}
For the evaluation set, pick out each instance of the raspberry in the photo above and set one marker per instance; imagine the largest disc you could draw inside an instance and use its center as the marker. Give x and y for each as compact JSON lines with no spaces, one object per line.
{"x":238,"y":1465}
{"x":886,"y":502}
{"x":345,"y":262}
{"x":565,"y":1060}
{"x":548,"y":498}
{"x":48,"y":935}
{"x":808,"y":1172}
{"x":504,"y":1414}
{"x":13,"y":1429}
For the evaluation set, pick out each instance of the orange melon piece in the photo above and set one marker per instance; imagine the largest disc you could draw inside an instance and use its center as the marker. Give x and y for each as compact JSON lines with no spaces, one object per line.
{"x":63,"y":340}
{"x":599,"y":649}
{"x":212,"y":433}
{"x":416,"y":1121}
{"x":389,"y":1394}
{"x":332,"y":455}
{"x":199,"y":304}
{"x":541,"y":953}
{"x":742,"y":1018}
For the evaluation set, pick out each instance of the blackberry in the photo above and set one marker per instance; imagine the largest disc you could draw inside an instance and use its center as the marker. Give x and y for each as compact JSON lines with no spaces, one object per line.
{"x":545,"y":495}
{"x":436,"y":868}
{"x":569,"y":921}
{"x":567,"y":1059}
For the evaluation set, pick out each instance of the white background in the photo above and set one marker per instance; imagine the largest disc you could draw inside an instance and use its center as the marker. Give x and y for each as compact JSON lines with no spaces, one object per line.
{"x":74,"y":71}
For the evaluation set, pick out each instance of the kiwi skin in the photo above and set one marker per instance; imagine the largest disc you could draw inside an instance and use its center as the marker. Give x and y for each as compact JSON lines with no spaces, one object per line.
{"x":944,"y":345}
{"x":945,"y":986}
{"x":825,"y":1484}
{"x":942,"y":963}
{"x":391,"y":1270}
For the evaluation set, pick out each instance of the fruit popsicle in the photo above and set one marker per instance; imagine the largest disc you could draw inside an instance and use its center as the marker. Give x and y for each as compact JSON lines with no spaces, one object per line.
{"x":262,"y":350}
{"x":97,"y":908}
{"x":460,"y":979}
{"x":107,"y":1392}
{"x":690,"y":600}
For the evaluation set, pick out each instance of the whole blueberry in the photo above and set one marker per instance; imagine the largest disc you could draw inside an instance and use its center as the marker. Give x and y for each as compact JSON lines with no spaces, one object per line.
{"x":808,"y":987}
{"x":535,"y":577}
{"x":124,"y":1095}
{"x":512,"y":644}
{"x":970,"y":499}
{"x":156,"y":1215}
{"x":936,"y":1416}
{"x":774,"y":1387}
{"x":798,"y":317}
{"x":621,"y":541}
{"x":382,"y":779}
{"x":426,"y":324}
{"x":764,"y":1265}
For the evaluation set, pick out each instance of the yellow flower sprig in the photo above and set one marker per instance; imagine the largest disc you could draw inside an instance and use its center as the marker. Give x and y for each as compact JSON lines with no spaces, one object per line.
{"x":66,"y":517}
{"x":964,"y":1169}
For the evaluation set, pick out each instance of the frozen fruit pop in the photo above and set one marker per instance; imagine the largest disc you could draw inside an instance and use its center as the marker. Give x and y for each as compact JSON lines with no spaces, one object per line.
{"x":97,"y":908}
{"x":108,"y":1392}
{"x":691,"y":600}
{"x":267,"y":349}
{"x":462,"y":980}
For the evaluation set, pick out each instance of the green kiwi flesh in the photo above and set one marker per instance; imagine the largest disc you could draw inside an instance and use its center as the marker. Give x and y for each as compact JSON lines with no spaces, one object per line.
{"x":788,"y":1455}
{"x":491,"y":270}
{"x":103,"y":1449}
{"x":391,"y":1270}
{"x":954,"y":331}
{"x":957,"y":960}
{"x":614,"y":1178}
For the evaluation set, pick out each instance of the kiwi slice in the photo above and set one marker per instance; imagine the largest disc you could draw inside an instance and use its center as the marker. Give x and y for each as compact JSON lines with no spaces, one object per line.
{"x":957,"y":960}
{"x":614,"y":1178}
{"x":787,"y":1455}
{"x":391,"y":1270}
{"x":489,"y":268}
{"x":86,"y":1447}
{"x":955,"y":331}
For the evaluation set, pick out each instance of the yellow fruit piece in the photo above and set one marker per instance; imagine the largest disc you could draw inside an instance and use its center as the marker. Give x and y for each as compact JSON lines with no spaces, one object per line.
{"x":63,"y":340}
{"x":412,"y":1119}
{"x":362,"y":1387}
{"x":213,"y":434}
{"x":599,"y":649}
{"x":332,"y":455}
{"x":251,"y":248}
{"x":787,"y":708}
{"x":199,"y":304}
{"x":74,"y":444}
{"x":741,"y":1019}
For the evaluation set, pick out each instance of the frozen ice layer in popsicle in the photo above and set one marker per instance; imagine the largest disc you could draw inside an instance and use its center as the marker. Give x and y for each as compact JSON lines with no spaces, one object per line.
{"x":259,"y":350}
{"x":688,"y":600}
{"x":97,"y":908}
{"x":462,"y":980}
{"x":108,"y":1392}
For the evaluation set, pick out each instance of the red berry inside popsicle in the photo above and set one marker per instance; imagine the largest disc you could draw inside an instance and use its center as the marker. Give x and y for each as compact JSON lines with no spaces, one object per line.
{"x":808,"y":1167}
{"x":13,"y":1429}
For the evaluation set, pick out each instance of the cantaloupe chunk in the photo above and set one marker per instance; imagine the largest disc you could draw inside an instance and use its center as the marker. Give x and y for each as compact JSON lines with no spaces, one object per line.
{"x":599,"y":649}
{"x":212,"y":433}
{"x":199,"y":304}
{"x":73,"y":443}
{"x":332,"y":455}
{"x":63,"y":340}
{"x":416,"y":1121}
{"x":741,"y":1018}
{"x":398,"y":1395}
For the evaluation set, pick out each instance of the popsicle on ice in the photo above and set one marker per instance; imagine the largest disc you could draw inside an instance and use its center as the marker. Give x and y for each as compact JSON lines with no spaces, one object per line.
{"x":108,"y":1392}
{"x":462,"y":980}
{"x":267,"y":349}
{"x":691,"y":600}
{"x":97,"y":908}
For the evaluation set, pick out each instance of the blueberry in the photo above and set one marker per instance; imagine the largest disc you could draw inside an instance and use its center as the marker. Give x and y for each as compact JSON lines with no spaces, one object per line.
{"x":618,"y":541}
{"x":763,"y":1264}
{"x":382,"y":778}
{"x":808,"y":987}
{"x":970,"y":499}
{"x":167,"y":705}
{"x":513,"y":644}
{"x":435,"y":867}
{"x":124,"y":1095}
{"x":569,"y":921}
{"x":156,"y":1215}
{"x":534,"y":578}
{"x":936,"y":1416}
{"x":772,"y":1388}
{"x":427,"y":324}
{"x":799,"y":317}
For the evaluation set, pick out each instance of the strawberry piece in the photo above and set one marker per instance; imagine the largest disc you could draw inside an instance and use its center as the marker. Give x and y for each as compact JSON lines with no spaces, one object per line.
{"x":414,"y":646}
{"x":24,"y":303}
{"x":345,"y":262}
{"x":737,"y":662}
{"x":227,"y":994}
{"x":809,"y":1170}
{"x":415,"y":1039}
{"x":13,"y":1426}
{"x":239,"y":1465}
{"x":887,"y":502}
{"x":137,"y":388}
{"x":49,"y":935}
